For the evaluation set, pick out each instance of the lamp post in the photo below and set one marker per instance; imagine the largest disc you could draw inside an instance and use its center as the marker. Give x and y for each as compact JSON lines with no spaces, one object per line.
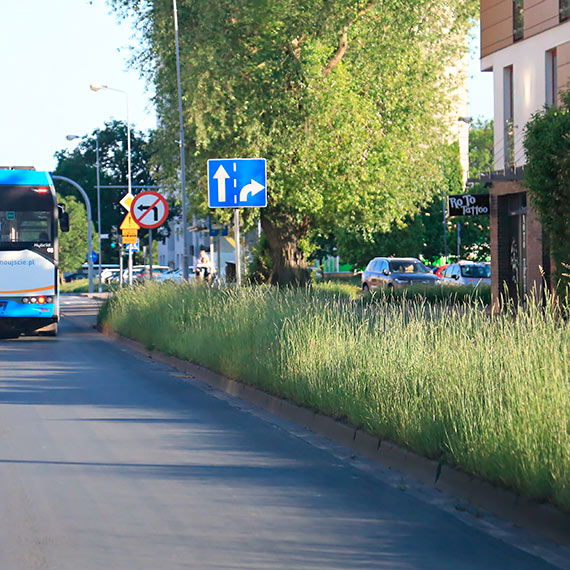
{"x":466,"y":120}
{"x":70,"y":138}
{"x":182,"y":159}
{"x":98,"y":87}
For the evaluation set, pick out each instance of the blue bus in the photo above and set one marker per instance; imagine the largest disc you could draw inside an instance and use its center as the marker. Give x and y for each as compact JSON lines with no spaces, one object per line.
{"x":29,"y":216}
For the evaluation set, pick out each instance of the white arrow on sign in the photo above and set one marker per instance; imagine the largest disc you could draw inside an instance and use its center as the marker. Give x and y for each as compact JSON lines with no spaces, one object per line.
{"x":221,"y":176}
{"x":252,"y":188}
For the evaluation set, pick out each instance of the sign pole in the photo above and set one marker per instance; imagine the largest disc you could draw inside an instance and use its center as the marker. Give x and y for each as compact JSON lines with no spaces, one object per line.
{"x":130,"y":268}
{"x":150,"y":253}
{"x":120,"y":266}
{"x":238,"y":252}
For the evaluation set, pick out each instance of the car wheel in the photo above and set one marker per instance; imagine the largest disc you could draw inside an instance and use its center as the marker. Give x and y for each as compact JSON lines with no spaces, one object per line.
{"x":365,"y":288}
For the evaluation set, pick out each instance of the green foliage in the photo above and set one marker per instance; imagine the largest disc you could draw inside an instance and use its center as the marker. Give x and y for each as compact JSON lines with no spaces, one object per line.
{"x":421,"y":235}
{"x":73,"y":244}
{"x":335,"y":94}
{"x":489,"y":394}
{"x":81,"y":166}
{"x":547,"y":175}
{"x":481,"y":147}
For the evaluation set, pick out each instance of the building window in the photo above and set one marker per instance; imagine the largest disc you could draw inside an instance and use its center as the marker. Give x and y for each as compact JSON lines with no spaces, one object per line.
{"x":551,"y":78}
{"x":518,"y":19}
{"x":508,"y":119}
{"x":564,"y":10}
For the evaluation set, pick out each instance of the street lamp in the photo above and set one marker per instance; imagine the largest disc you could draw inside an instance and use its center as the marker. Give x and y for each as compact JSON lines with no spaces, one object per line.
{"x":182,"y":159}
{"x":73,"y":137}
{"x":466,"y":120}
{"x":98,"y":87}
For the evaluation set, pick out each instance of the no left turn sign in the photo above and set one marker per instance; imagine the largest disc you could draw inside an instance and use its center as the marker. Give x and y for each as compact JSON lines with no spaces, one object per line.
{"x":149,"y":209}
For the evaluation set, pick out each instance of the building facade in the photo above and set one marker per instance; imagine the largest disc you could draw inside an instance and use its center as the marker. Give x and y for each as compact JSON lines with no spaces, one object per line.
{"x":526,"y":45}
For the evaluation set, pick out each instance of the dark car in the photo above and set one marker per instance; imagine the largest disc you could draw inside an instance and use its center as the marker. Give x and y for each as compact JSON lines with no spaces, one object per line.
{"x":396,"y":273}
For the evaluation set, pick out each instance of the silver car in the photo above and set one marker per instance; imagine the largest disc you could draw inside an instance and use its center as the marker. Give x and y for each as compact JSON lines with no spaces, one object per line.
{"x":469,"y":273}
{"x":396,"y":273}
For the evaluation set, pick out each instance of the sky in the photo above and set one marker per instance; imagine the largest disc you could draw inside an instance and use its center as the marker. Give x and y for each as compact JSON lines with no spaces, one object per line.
{"x":52,"y":50}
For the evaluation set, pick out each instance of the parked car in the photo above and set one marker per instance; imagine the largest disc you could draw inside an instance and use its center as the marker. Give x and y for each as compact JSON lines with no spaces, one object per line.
{"x":396,"y":273}
{"x":142,"y":272}
{"x":467,"y":273}
{"x":438,"y":271}
{"x":69,"y":277}
{"x":176,"y":276}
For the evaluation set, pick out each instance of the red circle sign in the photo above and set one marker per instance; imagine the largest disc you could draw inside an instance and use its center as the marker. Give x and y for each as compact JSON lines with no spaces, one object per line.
{"x":149,"y":209}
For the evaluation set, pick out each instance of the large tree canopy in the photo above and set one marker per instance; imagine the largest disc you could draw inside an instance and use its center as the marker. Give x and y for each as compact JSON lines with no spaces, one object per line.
{"x":345,"y":98}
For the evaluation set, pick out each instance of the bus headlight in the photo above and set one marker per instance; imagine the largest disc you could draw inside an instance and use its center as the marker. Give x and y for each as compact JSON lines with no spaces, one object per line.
{"x":25,"y":300}
{"x":49,"y":300}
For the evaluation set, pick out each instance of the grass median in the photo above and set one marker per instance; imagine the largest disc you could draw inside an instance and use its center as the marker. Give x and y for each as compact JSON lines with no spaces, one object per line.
{"x":489,"y":394}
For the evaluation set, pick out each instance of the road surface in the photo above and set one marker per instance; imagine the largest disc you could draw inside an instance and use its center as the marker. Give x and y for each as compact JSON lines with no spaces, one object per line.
{"x":111,"y":460}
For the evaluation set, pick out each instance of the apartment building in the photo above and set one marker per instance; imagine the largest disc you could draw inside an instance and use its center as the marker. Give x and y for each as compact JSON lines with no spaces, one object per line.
{"x":526,"y":45}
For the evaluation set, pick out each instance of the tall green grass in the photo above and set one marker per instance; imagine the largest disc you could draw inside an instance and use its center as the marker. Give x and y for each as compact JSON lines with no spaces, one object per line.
{"x":488,"y":393}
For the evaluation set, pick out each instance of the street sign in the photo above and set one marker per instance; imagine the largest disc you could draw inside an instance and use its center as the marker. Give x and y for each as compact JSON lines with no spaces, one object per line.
{"x":149,"y":209}
{"x":237,"y":183}
{"x":126,"y":201}
{"x":468,"y":205}
{"x":135,"y":246}
{"x":94,"y":256}
{"x":129,"y":236}
{"x":128,"y":223}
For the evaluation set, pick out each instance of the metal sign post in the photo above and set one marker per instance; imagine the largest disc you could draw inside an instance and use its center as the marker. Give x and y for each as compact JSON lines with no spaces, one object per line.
{"x":238,"y":247}
{"x":150,"y":254}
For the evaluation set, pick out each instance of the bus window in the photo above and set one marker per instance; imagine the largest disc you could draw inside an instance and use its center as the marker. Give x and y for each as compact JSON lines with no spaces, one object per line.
{"x":25,"y":227}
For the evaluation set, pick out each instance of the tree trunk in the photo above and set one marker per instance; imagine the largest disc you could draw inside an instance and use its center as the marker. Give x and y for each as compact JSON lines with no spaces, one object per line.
{"x":284,"y":238}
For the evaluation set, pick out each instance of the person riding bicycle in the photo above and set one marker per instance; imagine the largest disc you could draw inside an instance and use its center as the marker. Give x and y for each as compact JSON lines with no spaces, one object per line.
{"x":205,"y":269}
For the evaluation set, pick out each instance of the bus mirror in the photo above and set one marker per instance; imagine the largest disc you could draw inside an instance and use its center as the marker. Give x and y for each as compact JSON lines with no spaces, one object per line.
{"x":63,"y":218}
{"x":64,"y":222}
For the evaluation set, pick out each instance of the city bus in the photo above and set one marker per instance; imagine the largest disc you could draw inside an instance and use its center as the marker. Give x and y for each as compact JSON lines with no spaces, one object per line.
{"x":29,"y":216}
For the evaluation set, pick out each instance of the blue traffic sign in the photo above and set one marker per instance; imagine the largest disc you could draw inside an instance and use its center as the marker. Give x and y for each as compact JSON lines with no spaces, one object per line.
{"x":94,"y":256}
{"x":132,"y":246}
{"x":237,"y":183}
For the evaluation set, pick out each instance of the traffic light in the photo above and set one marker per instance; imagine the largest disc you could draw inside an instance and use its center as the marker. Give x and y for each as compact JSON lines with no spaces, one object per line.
{"x":114,"y":241}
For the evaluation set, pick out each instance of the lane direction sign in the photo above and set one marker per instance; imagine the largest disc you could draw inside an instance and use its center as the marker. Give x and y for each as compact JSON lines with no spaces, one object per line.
{"x":149,"y":209}
{"x":237,"y":183}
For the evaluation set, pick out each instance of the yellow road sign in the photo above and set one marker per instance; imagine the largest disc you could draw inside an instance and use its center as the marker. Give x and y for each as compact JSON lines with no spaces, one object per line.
{"x":126,"y":201}
{"x":129,"y":223}
{"x":129,"y":236}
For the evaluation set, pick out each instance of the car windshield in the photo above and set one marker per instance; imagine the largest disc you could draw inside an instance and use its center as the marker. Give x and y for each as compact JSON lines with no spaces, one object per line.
{"x":476,"y":271}
{"x":407,"y":266}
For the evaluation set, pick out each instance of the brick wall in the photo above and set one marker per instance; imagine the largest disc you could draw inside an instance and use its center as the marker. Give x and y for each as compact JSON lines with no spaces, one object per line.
{"x":502,"y":193}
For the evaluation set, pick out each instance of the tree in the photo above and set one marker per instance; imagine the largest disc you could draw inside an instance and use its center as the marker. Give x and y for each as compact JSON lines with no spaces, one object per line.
{"x":81,"y":166}
{"x":421,"y":235}
{"x":344,"y":98}
{"x":481,"y":155}
{"x":73,"y":244}
{"x":547,"y":176}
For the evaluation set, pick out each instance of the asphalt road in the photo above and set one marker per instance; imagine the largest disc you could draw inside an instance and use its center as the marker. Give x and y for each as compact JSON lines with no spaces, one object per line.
{"x":111,"y":460}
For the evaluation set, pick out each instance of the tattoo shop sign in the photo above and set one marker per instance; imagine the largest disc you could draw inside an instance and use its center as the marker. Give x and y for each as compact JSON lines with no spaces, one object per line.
{"x":468,"y":205}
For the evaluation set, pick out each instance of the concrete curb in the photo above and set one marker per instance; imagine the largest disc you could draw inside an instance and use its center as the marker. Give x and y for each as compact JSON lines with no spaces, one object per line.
{"x":542,"y":519}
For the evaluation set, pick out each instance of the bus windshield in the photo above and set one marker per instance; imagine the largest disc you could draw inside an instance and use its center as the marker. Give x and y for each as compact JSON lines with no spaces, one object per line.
{"x":22,"y":227}
{"x":26,"y":215}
